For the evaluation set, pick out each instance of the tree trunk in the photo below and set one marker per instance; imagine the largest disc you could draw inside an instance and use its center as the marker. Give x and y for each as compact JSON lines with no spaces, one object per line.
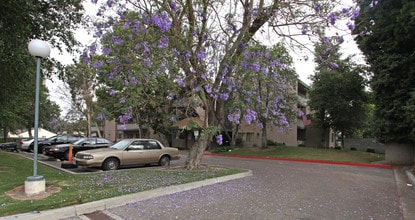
{"x":89,"y":121}
{"x":196,"y":152}
{"x":5,"y":134}
{"x":234,"y":136}
{"x":98,"y":129}
{"x":264,"y":143}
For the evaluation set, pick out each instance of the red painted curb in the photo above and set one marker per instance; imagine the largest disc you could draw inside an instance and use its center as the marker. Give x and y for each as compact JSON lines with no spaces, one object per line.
{"x":382,"y":166}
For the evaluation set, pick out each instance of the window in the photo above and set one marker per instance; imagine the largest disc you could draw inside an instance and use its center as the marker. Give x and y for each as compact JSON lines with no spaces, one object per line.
{"x":249,"y":136}
{"x":136,"y":145}
{"x":153,"y":145}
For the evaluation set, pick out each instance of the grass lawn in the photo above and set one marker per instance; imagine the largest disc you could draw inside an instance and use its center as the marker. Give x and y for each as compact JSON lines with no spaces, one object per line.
{"x":83,"y":188}
{"x":307,"y":154}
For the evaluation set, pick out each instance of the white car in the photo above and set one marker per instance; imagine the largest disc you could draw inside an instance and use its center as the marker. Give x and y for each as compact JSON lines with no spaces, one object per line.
{"x":23,"y":145}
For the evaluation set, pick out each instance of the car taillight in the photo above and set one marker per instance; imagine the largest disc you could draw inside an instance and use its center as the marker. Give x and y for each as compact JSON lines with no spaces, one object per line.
{"x":21,"y":142}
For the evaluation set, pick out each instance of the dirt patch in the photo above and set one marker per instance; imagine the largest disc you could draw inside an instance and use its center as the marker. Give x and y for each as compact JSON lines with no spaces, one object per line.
{"x":4,"y":169}
{"x":18,"y":193}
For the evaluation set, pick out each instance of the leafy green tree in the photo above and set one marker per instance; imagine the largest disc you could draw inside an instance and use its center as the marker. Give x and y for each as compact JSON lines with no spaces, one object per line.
{"x":338,"y":94}
{"x":81,"y":78}
{"x":385,"y":34}
{"x":20,"y":21}
{"x":199,"y":45}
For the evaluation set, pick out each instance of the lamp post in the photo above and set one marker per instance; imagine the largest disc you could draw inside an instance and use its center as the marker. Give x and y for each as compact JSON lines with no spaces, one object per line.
{"x":36,"y":184}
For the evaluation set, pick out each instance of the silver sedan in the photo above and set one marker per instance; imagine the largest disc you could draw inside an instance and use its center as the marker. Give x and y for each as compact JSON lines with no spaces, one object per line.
{"x":128,"y":152}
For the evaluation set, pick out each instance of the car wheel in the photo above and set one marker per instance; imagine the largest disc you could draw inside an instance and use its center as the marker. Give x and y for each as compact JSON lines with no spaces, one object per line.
{"x":164,"y":161}
{"x":66,"y":155}
{"x":110,"y":164}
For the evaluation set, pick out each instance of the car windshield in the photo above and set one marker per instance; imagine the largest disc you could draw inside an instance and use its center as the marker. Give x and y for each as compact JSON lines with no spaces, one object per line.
{"x":120,"y":144}
{"x":80,"y":141}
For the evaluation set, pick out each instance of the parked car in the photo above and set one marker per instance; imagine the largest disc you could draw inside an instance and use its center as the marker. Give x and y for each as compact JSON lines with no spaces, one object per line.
{"x":128,"y":152}
{"x":24,"y":144}
{"x":61,"y":151}
{"x":9,"y":146}
{"x":55,"y":140}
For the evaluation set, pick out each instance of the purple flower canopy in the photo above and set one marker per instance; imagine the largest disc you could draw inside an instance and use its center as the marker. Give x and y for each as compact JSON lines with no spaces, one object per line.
{"x":200,"y":68}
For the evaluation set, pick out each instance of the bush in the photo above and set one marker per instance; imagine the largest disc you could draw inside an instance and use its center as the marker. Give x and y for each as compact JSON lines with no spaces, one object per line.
{"x":271,"y":143}
{"x":238,"y":142}
{"x":353,"y":148}
{"x":370,"y":150}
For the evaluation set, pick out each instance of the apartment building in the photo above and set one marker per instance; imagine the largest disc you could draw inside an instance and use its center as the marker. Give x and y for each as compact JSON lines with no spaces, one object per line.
{"x":302,"y":132}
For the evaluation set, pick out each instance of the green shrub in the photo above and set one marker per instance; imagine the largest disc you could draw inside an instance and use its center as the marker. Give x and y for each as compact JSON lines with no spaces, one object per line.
{"x":238,"y":142}
{"x":370,"y":150}
{"x":271,"y":143}
{"x":353,"y":148}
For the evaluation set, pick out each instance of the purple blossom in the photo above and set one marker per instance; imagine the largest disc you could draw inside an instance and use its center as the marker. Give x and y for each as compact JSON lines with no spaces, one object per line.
{"x":334,"y":65}
{"x":255,"y":67}
{"x":346,"y":11}
{"x":332,"y":18}
{"x":180,"y":82}
{"x":123,"y":127}
{"x":208,"y":88}
{"x":317,"y":8}
{"x":300,"y":114}
{"x":173,"y":6}
{"x":127,"y":25}
{"x":234,"y":118}
{"x":250,"y":116}
{"x":94,"y":1}
{"x":355,"y":13}
{"x":219,"y":139}
{"x":134,"y":80}
{"x":113,"y":92}
{"x":86,"y":57}
{"x":163,"y":42}
{"x":172,"y":119}
{"x":304,"y":30}
{"x":126,"y":82}
{"x":93,"y":48}
{"x":109,"y":3}
{"x":224,"y":96}
{"x":350,"y":26}
{"x":162,"y":22}
{"x":100,"y":117}
{"x":200,"y":55}
{"x":122,"y":100}
{"x":98,"y":64}
{"x":340,"y":39}
{"x":106,"y":51}
{"x":116,"y":40}
{"x":136,"y":27}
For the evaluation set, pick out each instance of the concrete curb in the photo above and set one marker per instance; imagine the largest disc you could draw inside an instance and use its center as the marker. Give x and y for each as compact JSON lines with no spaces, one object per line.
{"x":411,"y":176}
{"x":104,"y":204}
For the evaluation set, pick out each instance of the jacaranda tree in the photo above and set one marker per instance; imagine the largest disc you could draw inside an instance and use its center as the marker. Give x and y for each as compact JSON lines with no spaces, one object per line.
{"x":201,"y":46}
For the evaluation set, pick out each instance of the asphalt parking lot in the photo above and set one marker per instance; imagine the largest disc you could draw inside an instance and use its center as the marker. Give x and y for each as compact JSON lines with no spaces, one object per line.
{"x":275,"y":190}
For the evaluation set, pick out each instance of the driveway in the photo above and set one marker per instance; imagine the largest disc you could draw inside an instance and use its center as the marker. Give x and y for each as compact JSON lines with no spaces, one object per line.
{"x":280,"y":190}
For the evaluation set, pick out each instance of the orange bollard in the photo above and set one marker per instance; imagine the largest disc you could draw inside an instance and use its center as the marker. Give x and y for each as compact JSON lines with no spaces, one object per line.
{"x":70,"y":154}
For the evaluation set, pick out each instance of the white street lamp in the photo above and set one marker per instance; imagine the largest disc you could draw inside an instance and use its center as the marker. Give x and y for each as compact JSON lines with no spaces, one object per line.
{"x":36,"y":184}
